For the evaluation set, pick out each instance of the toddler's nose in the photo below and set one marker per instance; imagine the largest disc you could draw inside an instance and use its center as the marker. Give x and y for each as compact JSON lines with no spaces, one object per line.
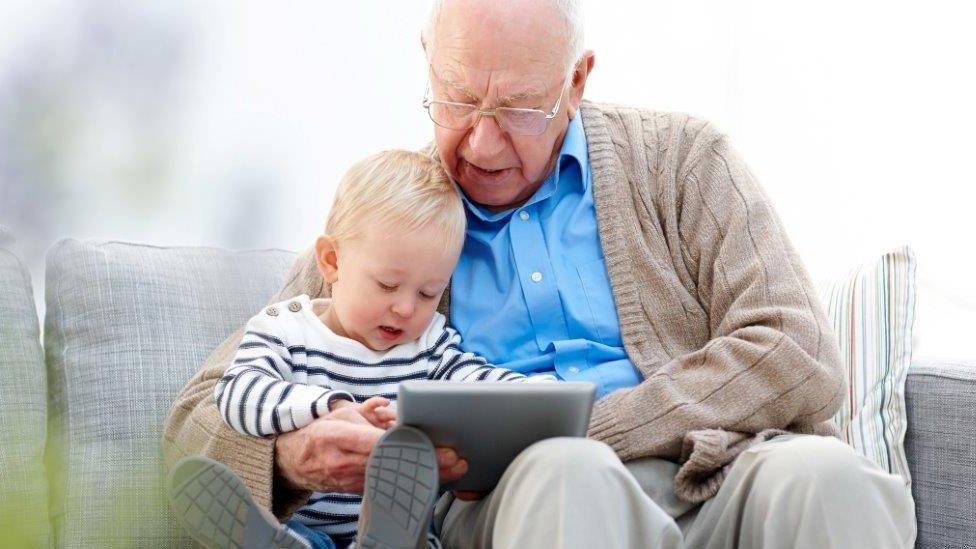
{"x":404,"y":307}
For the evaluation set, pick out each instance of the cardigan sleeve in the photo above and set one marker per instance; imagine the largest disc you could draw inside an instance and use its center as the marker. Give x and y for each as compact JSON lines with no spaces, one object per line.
{"x":195,"y":426}
{"x":772,"y":361}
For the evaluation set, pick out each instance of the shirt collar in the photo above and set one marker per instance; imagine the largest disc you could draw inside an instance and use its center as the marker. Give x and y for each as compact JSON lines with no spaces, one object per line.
{"x":573,"y":147}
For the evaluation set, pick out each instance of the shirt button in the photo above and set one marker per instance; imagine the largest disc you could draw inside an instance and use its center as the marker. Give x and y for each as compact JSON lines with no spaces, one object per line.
{"x":524,"y":215}
{"x":294,"y":306}
{"x":574,"y":370}
{"x":537,"y":277}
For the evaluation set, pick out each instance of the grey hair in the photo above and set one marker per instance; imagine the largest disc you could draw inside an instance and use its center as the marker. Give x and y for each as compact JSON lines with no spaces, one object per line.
{"x":570,"y":10}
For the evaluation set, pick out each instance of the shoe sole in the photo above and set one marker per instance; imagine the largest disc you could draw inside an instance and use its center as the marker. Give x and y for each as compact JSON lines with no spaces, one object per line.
{"x":401,"y":488}
{"x":214,"y":506}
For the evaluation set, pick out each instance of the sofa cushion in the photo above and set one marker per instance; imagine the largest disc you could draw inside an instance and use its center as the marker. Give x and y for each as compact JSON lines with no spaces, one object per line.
{"x":872,"y":309}
{"x":23,"y":407}
{"x":127,"y":326}
{"x":941,"y":446}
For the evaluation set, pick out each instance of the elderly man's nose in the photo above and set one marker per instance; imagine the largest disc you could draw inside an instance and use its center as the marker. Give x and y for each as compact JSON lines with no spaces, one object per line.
{"x":486,"y":138}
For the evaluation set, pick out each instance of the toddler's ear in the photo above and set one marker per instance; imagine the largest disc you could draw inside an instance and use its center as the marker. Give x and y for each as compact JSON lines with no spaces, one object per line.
{"x":327,"y":257}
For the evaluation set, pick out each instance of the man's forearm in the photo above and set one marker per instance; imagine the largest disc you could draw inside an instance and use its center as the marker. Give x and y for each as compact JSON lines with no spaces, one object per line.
{"x":772,"y":361}
{"x":733,"y":385}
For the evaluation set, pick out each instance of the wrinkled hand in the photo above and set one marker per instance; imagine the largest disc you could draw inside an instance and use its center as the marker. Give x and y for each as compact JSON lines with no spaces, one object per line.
{"x":329,"y":454}
{"x":376,"y":411}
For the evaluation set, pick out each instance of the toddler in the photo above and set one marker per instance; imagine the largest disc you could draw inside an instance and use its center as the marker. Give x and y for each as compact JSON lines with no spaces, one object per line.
{"x":392,"y":239}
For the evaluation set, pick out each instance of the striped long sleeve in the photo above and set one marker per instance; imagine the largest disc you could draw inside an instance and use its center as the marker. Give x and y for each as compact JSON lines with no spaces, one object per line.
{"x":256,"y":396}
{"x":449,"y":362}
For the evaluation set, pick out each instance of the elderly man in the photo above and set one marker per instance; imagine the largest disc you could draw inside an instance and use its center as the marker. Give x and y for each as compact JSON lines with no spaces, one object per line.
{"x":623,"y":246}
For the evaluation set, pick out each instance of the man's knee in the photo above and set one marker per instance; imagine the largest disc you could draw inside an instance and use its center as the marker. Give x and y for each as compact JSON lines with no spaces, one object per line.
{"x":801,"y":483}
{"x":573,"y":464}
{"x":804,"y":459}
{"x":824,"y":468}
{"x":575,"y":456}
{"x":578,"y":489}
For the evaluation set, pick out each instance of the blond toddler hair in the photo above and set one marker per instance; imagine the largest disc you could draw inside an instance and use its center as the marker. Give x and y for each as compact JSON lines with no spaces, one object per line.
{"x":405,"y":191}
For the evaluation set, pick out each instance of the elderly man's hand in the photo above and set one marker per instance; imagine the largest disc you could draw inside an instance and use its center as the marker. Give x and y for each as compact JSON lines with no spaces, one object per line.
{"x":329,"y":454}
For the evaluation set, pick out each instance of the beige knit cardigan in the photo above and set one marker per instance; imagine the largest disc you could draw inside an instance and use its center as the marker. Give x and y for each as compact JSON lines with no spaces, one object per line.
{"x":716,"y":311}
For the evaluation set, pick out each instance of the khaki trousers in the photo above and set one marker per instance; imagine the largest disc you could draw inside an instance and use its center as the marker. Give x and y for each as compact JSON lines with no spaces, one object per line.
{"x":791,"y":491}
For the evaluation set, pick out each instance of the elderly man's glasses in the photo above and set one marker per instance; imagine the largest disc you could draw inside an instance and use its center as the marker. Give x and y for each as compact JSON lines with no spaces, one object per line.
{"x":463,"y":116}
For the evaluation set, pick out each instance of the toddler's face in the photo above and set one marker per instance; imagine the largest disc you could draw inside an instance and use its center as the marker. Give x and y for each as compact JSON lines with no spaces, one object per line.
{"x":385,"y":285}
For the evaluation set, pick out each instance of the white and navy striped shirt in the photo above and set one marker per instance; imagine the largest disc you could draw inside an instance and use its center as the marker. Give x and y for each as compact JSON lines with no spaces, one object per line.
{"x":290,"y":366}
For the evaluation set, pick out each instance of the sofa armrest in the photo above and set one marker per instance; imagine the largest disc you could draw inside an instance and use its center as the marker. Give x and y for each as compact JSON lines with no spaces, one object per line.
{"x":941,"y":445}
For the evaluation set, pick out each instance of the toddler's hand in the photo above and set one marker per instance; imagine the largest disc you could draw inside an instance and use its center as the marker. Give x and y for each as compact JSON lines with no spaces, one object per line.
{"x":374,"y":409}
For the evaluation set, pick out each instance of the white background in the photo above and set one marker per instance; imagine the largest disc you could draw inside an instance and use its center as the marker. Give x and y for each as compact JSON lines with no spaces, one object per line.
{"x":228,"y":123}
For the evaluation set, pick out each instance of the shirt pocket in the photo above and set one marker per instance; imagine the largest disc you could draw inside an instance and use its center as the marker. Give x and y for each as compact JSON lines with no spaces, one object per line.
{"x":595,"y":282}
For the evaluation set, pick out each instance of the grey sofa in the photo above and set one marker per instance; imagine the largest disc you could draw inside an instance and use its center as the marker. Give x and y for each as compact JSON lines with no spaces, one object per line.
{"x":128,"y":324}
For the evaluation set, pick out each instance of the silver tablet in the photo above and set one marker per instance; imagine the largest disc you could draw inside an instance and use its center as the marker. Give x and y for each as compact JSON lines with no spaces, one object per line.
{"x":491,"y":423}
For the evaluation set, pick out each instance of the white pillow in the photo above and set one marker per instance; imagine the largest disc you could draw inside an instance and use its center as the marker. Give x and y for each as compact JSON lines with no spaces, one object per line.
{"x":872,"y":309}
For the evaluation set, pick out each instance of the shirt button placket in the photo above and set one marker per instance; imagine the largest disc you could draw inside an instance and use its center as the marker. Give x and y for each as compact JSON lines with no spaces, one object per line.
{"x":534,"y":269}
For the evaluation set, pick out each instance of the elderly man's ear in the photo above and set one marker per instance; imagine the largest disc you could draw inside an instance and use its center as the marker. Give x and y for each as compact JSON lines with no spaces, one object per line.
{"x":327,"y":258}
{"x":583,"y":69}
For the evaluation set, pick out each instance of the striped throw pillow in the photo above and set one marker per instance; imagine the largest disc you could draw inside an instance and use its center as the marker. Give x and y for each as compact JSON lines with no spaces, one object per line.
{"x":872,"y":309}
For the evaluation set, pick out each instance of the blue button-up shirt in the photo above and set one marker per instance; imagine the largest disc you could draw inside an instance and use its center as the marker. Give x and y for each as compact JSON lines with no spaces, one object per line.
{"x":531,"y":290}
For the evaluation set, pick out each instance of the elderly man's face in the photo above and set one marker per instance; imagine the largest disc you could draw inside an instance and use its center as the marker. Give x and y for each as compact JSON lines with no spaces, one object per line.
{"x":495,"y":55}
